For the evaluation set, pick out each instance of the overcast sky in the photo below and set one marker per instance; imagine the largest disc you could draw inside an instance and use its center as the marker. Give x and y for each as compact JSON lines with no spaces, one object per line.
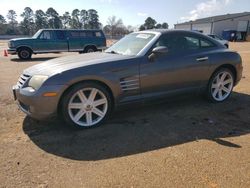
{"x":134,"y":12}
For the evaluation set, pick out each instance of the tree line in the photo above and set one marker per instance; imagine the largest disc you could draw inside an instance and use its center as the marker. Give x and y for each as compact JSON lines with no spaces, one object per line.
{"x":33,"y":21}
{"x":77,"y":19}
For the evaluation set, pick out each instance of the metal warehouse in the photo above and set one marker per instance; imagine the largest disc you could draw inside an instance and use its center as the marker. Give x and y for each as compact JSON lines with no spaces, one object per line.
{"x":238,"y":23}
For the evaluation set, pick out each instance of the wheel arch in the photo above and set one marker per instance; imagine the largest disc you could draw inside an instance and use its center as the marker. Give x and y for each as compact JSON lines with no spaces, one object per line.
{"x":103,"y":84}
{"x":23,"y":46}
{"x":228,"y":66}
{"x":89,"y":45}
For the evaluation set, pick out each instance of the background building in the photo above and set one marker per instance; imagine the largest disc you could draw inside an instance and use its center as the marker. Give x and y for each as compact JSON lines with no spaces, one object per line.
{"x":239,"y":22}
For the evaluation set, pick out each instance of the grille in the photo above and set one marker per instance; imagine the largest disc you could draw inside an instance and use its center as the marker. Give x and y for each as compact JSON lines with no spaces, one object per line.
{"x":22,"y":80}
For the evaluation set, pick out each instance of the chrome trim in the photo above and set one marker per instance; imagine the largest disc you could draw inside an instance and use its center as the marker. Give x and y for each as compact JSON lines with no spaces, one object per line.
{"x":128,"y":81}
{"x":202,"y":59}
{"x":22,"y":80}
{"x":129,"y":89}
{"x":128,"y":85}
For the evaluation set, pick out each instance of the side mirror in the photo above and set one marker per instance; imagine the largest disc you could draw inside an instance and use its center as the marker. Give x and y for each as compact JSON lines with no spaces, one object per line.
{"x":160,"y":50}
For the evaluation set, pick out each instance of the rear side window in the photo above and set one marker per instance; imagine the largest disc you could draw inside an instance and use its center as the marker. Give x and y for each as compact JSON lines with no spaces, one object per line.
{"x":192,"y":43}
{"x":75,"y":34}
{"x":206,"y":44}
{"x":81,"y":34}
{"x":98,"y":34}
{"x":60,"y":35}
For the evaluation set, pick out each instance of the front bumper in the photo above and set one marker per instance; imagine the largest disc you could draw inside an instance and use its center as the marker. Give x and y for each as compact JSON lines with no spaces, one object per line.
{"x":34,"y":104}
{"x":11,"y":51}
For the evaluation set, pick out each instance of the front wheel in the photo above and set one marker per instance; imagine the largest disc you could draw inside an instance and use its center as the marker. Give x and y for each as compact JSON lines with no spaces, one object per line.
{"x":220,"y":85}
{"x":24,"y":53}
{"x":86,"y":105}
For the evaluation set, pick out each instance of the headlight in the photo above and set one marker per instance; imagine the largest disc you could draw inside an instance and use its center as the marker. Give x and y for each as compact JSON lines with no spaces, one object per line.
{"x":11,"y":44}
{"x":36,"y":81}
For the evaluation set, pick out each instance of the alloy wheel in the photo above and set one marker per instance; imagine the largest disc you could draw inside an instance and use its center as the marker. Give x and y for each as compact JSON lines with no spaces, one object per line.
{"x":87,"y":107}
{"x":222,"y":86}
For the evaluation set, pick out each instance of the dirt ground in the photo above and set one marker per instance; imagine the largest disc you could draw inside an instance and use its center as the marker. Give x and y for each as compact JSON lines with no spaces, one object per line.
{"x":181,"y":143}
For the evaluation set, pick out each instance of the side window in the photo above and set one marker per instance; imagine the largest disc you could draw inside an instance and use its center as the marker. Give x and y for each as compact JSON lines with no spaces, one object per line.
{"x":46,"y":35}
{"x":206,"y":44}
{"x":192,"y":43}
{"x":60,"y":35}
{"x":75,"y":34}
{"x":98,"y":34}
{"x":180,"y":42}
{"x":177,"y":43}
{"x":82,"y":34}
{"x":89,"y":34}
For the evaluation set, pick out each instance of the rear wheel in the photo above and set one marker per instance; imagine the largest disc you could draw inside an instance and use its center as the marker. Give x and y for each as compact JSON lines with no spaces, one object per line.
{"x":24,"y":53}
{"x":90,"y":49}
{"x":86,"y":105}
{"x":220,"y":85}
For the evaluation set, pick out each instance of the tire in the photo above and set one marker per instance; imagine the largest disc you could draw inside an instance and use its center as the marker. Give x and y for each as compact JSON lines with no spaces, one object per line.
{"x":79,"y":109}
{"x":24,"y":53}
{"x":220,"y":85}
{"x":90,"y":49}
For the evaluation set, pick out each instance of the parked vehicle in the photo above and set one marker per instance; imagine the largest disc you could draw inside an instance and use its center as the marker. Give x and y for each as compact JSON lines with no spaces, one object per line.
{"x":84,"y":89}
{"x":221,"y":40}
{"x":58,"y":40}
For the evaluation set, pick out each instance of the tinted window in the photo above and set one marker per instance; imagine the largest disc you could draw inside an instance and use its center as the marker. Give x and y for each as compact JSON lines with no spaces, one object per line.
{"x":206,"y":43}
{"x":75,"y":34}
{"x":98,"y":34}
{"x":81,"y":34}
{"x":46,"y":35}
{"x":192,"y":43}
{"x":176,"y":43}
{"x":60,"y":35}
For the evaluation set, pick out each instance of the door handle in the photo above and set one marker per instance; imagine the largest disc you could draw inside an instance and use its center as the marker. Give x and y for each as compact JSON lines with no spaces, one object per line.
{"x":202,"y":59}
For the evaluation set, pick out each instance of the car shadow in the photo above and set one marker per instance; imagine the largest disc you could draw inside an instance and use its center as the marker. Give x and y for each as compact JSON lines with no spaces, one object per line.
{"x":33,"y":59}
{"x":144,"y":128}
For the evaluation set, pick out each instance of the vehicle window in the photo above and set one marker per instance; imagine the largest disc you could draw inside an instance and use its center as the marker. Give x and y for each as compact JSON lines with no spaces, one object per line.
{"x":98,"y":34}
{"x":46,"y":35}
{"x":81,"y":34}
{"x":131,"y":44}
{"x":206,"y":44}
{"x":75,"y":34}
{"x":177,"y":43}
{"x":89,"y":33}
{"x":192,"y":43}
{"x":60,"y":35}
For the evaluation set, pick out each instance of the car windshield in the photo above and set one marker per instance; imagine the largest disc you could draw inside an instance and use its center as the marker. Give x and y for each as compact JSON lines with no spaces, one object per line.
{"x":37,"y":34}
{"x":131,"y":44}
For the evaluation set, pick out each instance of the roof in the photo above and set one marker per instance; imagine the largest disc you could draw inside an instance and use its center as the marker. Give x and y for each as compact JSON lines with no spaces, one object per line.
{"x":216,"y":18}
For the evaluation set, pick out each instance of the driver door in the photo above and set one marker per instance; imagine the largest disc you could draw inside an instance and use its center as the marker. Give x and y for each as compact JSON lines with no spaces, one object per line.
{"x":184,"y":67}
{"x":45,"y":42}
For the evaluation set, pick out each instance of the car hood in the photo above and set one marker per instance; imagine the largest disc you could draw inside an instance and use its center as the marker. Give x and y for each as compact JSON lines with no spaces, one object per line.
{"x":20,"y":39}
{"x":66,"y":63}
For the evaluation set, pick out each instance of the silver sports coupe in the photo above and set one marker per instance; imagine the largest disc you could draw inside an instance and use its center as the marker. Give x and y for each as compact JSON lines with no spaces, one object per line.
{"x":84,"y":89}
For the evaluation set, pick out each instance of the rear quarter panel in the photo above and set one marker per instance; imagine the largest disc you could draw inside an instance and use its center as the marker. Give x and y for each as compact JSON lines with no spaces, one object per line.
{"x":223,"y":57}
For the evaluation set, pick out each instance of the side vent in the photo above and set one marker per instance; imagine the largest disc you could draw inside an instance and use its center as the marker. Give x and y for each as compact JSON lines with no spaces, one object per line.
{"x":129,"y":84}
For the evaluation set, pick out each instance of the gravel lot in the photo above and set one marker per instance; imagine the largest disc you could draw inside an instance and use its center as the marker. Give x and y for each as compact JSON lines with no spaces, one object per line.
{"x":185,"y":142}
